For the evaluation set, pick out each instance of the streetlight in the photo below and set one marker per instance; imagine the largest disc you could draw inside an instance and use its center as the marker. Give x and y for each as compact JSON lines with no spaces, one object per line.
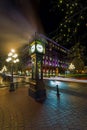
{"x":12,"y":58}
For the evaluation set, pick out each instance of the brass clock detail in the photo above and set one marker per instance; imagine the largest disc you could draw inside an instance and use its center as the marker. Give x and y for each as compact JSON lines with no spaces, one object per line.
{"x":33,"y":48}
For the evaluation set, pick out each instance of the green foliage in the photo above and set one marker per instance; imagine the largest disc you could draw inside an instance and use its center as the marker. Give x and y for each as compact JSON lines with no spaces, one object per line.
{"x":77,"y":56}
{"x":78,"y":63}
{"x":82,"y":76}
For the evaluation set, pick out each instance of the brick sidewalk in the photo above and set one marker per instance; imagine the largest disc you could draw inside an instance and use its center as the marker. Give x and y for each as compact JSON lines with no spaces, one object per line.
{"x":18,"y":111}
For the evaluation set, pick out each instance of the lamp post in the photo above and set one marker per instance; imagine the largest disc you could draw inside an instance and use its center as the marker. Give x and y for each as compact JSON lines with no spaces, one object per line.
{"x":12,"y":59}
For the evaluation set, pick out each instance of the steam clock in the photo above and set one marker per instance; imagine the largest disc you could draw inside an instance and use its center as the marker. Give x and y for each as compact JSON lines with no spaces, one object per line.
{"x":36,"y":85}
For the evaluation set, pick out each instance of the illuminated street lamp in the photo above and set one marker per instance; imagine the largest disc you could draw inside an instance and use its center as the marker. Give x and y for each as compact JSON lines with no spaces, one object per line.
{"x":12,"y":58}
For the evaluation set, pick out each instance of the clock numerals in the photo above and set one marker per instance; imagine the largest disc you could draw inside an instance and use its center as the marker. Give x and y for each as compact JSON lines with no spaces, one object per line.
{"x":39,"y":48}
{"x":32,"y":48}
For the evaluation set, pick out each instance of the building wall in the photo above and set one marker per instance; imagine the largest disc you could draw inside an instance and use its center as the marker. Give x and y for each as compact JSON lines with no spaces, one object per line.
{"x":55,"y":58}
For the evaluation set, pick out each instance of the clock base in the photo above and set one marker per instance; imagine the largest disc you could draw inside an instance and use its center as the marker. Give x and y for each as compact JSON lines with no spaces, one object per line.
{"x":37,"y":90}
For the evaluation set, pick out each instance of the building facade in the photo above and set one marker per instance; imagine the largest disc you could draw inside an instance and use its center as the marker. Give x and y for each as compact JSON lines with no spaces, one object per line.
{"x":54,"y":60}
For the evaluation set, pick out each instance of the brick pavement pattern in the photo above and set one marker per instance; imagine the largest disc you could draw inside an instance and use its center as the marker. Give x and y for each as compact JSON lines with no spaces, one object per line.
{"x":18,"y":111}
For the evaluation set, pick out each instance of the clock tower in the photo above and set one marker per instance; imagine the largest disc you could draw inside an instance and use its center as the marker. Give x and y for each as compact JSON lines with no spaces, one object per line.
{"x":36,"y":85}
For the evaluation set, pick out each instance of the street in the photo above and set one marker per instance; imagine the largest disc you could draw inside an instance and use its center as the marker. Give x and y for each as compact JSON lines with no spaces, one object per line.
{"x":68,"y":87}
{"x":18,"y":111}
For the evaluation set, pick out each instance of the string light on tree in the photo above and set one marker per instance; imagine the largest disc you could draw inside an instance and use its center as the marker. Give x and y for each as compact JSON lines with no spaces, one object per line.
{"x":74,"y":18}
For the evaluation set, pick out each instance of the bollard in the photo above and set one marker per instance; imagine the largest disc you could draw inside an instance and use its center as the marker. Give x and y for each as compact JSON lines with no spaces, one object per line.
{"x":57,"y":90}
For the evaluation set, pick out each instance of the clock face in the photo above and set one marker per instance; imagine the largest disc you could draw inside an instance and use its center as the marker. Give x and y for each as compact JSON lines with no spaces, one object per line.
{"x":39,"y":48}
{"x":32,"y":48}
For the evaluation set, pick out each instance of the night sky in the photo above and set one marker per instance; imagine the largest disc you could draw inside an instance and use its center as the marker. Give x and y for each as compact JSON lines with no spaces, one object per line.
{"x":20,"y":19}
{"x":66,"y":21}
{"x":49,"y":18}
